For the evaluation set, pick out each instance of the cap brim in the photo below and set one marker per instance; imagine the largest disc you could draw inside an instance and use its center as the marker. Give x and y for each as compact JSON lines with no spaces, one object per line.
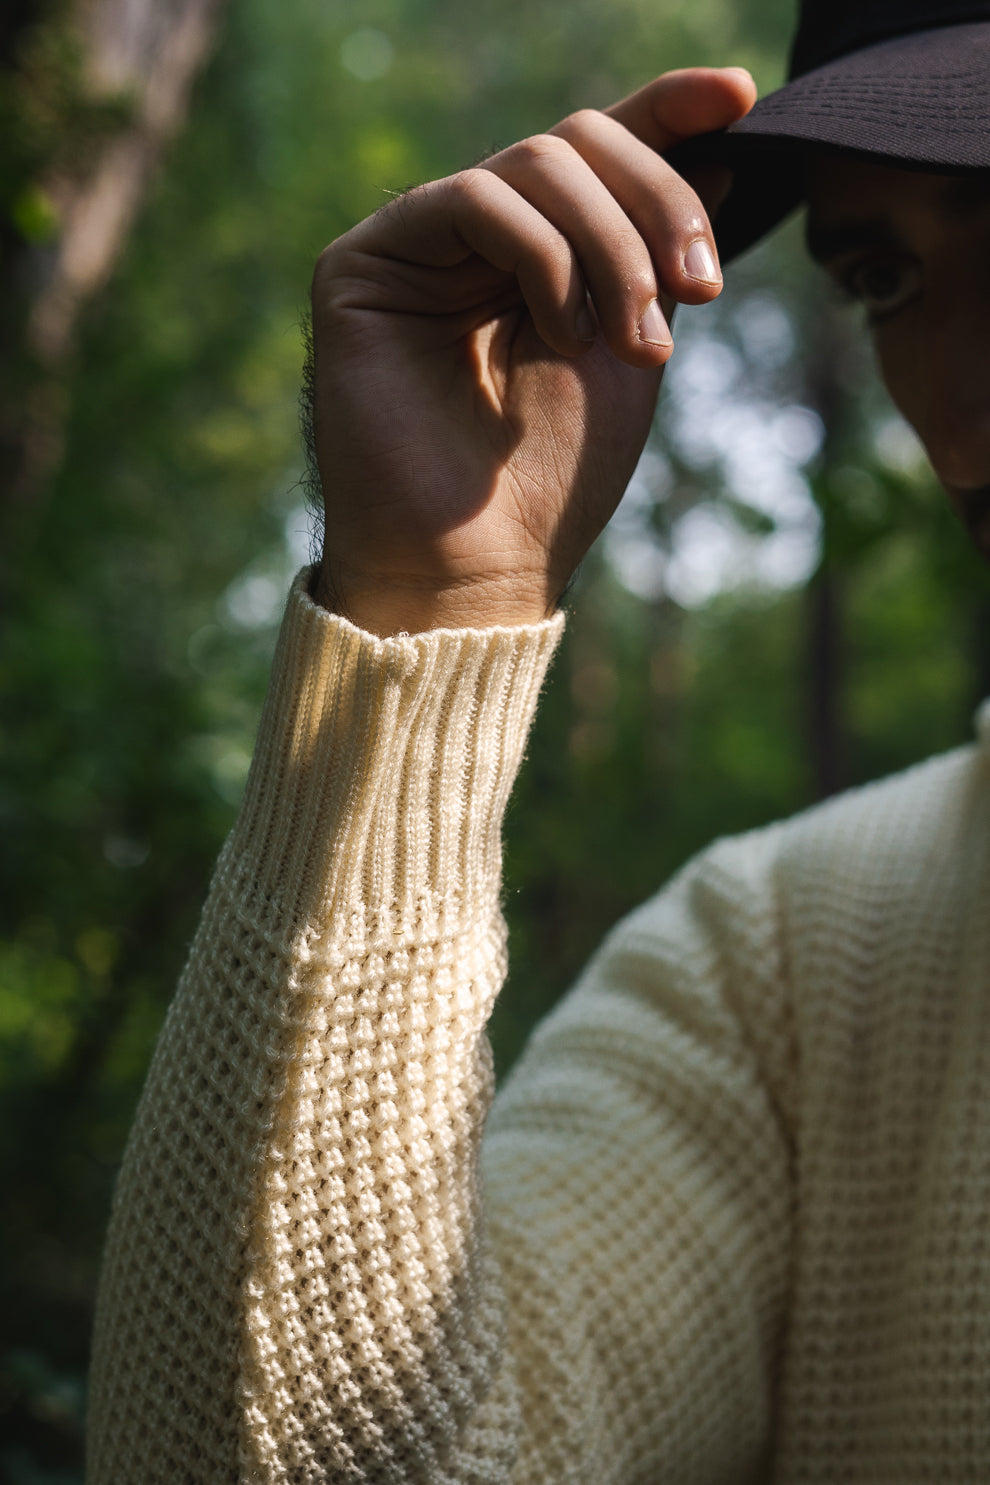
{"x":920,"y":101}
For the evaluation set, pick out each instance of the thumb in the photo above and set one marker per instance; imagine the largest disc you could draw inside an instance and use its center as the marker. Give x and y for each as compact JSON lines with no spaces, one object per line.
{"x":678,"y":105}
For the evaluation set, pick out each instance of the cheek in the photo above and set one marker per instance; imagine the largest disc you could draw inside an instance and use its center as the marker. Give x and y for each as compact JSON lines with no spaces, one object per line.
{"x":898,"y":366}
{"x":917,"y":367}
{"x":936,"y":367}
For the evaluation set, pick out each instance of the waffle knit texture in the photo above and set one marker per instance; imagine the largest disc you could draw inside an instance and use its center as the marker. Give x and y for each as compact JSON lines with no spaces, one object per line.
{"x":729,"y":1219}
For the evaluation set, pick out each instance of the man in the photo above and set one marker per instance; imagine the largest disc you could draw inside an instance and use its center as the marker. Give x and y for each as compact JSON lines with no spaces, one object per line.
{"x":729,"y":1220}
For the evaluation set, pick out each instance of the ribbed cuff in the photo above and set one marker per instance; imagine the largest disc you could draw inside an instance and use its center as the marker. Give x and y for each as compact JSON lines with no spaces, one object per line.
{"x":381,"y":773}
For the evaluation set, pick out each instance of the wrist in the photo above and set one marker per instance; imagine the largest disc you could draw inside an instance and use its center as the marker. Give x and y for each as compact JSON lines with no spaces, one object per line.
{"x":387,"y":609}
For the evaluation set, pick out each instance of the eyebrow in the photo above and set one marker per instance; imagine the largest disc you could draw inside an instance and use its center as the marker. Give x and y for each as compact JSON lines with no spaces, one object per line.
{"x":828,"y":240}
{"x":961,"y":196}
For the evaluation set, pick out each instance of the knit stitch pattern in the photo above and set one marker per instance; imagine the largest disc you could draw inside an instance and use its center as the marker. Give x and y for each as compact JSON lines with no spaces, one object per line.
{"x":728,"y":1220}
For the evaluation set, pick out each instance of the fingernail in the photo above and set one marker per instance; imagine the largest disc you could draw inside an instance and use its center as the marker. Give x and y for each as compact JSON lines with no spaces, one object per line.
{"x":585,"y":325}
{"x":700,"y":264}
{"x":653,"y":327}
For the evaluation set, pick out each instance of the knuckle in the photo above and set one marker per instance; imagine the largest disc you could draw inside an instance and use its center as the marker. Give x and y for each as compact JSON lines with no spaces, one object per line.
{"x":581,"y":122}
{"x":327,"y":268}
{"x":539,"y":150}
{"x":471,"y":186}
{"x":554,"y":245}
{"x":685,"y":209}
{"x":640,"y":283}
{"x":693,"y":217}
{"x":546,"y":259}
{"x":678,"y":219}
{"x":549,"y":260}
{"x":340,"y":266}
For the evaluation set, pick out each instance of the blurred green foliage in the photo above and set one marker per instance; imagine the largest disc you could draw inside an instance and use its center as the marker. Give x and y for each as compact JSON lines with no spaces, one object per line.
{"x":144,"y":591}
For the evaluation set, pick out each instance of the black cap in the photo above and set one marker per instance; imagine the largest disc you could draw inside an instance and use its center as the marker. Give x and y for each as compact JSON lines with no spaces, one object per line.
{"x":828,"y":29}
{"x":902,"y":81}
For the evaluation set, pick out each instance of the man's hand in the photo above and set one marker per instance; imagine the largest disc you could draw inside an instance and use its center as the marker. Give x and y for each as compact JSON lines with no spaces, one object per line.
{"x":488,"y":350}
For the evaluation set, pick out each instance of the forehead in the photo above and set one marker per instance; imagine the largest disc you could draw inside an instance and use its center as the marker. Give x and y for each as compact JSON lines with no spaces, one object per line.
{"x":850,"y":198}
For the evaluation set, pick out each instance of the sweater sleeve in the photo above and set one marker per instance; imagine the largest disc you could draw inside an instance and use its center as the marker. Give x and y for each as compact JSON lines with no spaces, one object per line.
{"x":309,"y":1277}
{"x":638,"y":1172}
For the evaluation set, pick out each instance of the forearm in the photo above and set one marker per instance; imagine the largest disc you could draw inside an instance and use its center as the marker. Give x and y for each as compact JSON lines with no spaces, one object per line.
{"x":292,"y":1277}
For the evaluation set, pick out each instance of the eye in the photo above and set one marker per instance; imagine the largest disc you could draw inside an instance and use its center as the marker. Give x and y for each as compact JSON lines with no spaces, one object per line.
{"x":881,"y":284}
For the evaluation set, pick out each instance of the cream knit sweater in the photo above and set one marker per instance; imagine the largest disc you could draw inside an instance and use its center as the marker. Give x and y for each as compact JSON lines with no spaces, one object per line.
{"x":731,"y":1218}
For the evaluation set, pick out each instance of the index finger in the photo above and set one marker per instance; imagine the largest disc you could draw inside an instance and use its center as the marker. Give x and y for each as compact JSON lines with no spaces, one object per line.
{"x":678,"y":105}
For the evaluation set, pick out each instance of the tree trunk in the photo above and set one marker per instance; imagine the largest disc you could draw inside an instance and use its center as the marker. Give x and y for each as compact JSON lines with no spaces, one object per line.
{"x":135,"y":63}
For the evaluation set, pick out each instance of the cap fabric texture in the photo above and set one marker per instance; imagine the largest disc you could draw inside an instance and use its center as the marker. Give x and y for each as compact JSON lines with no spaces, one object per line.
{"x":903,"y":81}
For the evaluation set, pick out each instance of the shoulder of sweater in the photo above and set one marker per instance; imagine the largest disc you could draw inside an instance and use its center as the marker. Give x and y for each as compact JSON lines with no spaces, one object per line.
{"x":893,"y":830}
{"x":897,"y":828}
{"x":722,"y":950}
